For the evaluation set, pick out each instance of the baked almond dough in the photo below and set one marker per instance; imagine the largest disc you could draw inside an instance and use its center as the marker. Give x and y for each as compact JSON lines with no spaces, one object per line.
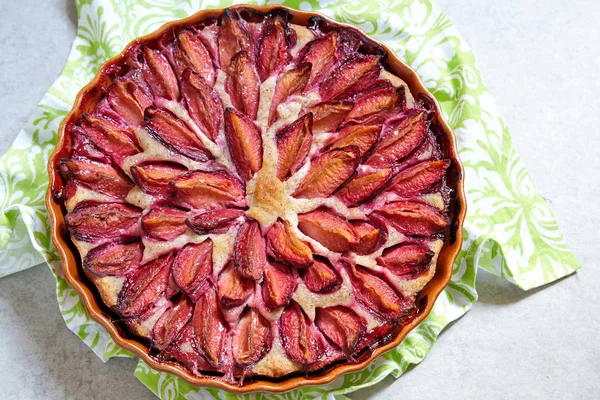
{"x":257,"y":198}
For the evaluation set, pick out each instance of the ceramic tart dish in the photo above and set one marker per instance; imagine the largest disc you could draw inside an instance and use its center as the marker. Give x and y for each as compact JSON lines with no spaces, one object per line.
{"x":256,"y":198}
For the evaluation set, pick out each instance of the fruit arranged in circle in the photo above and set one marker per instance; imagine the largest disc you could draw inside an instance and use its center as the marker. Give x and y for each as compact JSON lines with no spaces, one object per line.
{"x":256,"y":197}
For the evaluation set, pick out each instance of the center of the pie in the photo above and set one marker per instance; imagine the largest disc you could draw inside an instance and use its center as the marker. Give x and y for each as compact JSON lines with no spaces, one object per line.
{"x":267,"y":198}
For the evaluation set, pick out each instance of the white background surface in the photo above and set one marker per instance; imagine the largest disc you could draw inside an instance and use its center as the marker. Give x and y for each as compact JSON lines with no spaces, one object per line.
{"x":541,"y":61}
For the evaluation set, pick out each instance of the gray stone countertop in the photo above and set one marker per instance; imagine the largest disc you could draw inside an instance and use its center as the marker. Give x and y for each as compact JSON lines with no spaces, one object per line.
{"x":540,"y":60}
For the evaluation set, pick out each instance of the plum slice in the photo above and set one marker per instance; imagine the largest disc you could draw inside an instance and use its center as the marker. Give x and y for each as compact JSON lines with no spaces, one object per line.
{"x":252,"y":338}
{"x":243,"y":84}
{"x":203,"y":103}
{"x":348,"y":45}
{"x":278,"y":286}
{"x":320,"y":277}
{"x":104,"y":110}
{"x":233,"y":37}
{"x":327,"y":172}
{"x":244,"y":142}
{"x":361,"y":136}
{"x":377,"y":106}
{"x":364,"y":186}
{"x":210,"y":329}
{"x":214,"y":221}
{"x":284,"y":245}
{"x":328,"y":116}
{"x":404,"y":136}
{"x":413,"y":218}
{"x":172,"y":288}
{"x":114,"y":258}
{"x":191,"y":53}
{"x":378,"y":296}
{"x":98,"y":176}
{"x":112,"y":140}
{"x":350,"y":77}
{"x":175,"y":134}
{"x":145,"y":286}
{"x":407,"y":260}
{"x":160,"y":76}
{"x":192,"y":266}
{"x":331,"y":231}
{"x":164,"y":223}
{"x":340,"y":325}
{"x":154,"y":178}
{"x":300,"y":341}
{"x":184,"y":351}
{"x":290,"y":82}
{"x":370,"y":237}
{"x":94,"y":221}
{"x":419,"y":178}
{"x":232,"y":288}
{"x":85,"y":148}
{"x":205,"y":190}
{"x":293,"y":145}
{"x":69,"y":190}
{"x":273,"y":49}
{"x":171,"y":323}
{"x":321,"y":54}
{"x":129,"y":101}
{"x":250,"y":251}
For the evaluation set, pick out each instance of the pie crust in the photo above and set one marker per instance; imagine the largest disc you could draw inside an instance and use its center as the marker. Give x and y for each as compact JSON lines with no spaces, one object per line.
{"x":136,"y":210}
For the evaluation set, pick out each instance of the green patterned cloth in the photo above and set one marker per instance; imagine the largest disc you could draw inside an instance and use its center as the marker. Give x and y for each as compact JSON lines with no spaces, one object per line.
{"x":509,"y":231}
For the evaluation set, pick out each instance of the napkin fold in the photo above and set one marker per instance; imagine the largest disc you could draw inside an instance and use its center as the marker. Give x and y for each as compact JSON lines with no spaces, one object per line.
{"x":509,"y":231}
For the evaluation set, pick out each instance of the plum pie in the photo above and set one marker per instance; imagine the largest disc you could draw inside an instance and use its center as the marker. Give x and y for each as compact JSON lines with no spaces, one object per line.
{"x":256,"y":198}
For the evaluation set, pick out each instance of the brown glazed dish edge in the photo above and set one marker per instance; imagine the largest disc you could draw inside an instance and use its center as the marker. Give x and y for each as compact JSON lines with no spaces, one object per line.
{"x":96,"y":309}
